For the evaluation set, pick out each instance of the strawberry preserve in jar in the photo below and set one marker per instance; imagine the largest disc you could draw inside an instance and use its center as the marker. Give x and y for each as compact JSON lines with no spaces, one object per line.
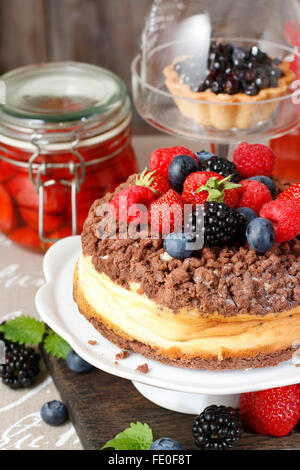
{"x":65,"y":140}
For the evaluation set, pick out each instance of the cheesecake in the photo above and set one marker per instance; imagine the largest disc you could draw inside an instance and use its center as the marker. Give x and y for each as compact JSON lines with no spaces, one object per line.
{"x":228,"y":307}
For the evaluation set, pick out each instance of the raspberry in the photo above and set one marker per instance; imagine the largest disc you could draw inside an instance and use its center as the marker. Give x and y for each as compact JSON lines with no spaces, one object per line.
{"x":285,"y":217}
{"x":253,"y":160}
{"x":274,"y":412}
{"x":161,"y":158}
{"x":253,"y":195}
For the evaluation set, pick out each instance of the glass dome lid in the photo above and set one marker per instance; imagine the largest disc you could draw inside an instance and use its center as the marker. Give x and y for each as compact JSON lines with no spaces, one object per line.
{"x":219,"y":70}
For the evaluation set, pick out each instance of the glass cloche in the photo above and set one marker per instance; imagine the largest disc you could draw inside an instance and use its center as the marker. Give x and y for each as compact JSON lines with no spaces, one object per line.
{"x":221,"y":70}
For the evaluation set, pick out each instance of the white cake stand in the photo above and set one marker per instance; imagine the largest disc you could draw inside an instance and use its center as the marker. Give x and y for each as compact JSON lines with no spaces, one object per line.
{"x":177,"y":389}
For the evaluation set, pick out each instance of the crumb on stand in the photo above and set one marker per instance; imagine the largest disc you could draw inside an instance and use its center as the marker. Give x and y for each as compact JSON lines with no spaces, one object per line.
{"x":143,"y":368}
{"x":122,"y":355}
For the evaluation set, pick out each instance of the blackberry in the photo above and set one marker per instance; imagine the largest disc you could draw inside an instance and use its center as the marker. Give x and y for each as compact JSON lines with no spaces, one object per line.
{"x":21,"y":365}
{"x":221,"y":223}
{"x":231,"y":70}
{"x":217,"y":427}
{"x":222,"y":166}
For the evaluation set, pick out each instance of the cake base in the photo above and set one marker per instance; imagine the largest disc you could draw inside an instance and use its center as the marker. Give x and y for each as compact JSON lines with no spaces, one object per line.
{"x":122,"y":340}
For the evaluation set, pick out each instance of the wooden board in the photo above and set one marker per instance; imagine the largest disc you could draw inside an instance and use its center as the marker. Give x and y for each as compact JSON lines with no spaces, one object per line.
{"x":101,"y":405}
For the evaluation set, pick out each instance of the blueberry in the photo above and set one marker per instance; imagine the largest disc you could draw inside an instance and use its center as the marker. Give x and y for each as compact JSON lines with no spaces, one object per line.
{"x":260,"y":234}
{"x":248,"y":214}
{"x":179,"y":169}
{"x":76,"y":363}
{"x":175,"y":244}
{"x":54,"y":413}
{"x":203,"y":156}
{"x":267,"y":182}
{"x":165,"y":443}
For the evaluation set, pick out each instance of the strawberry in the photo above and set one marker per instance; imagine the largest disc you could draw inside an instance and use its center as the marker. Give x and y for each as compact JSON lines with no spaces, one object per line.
{"x":156,"y":181}
{"x":27,"y":237}
{"x":125,"y":204}
{"x":253,"y":194}
{"x":8,"y":218}
{"x":166,"y":213}
{"x":285,"y":217}
{"x":81,"y":218}
{"x":85,"y":198}
{"x":253,"y":160}
{"x":62,"y":232}
{"x":274,"y":412}
{"x":161,"y":158}
{"x":208,"y":186}
{"x":21,"y":188}
{"x":31,"y":218}
{"x":6,"y":171}
{"x":291,"y":194}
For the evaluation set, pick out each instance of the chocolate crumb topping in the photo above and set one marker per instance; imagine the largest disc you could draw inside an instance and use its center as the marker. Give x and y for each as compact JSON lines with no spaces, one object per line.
{"x":232,"y":280}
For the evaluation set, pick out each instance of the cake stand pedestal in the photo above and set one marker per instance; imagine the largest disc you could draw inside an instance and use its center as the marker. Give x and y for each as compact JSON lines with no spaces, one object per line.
{"x":188,"y":403}
{"x":178,"y":389}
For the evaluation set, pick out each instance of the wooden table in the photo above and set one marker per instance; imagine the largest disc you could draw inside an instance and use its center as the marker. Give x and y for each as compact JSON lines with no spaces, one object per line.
{"x":101,"y":405}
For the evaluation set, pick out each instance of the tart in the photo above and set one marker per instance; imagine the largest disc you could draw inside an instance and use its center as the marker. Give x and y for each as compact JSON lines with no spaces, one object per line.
{"x":228,"y":307}
{"x":236,"y":88}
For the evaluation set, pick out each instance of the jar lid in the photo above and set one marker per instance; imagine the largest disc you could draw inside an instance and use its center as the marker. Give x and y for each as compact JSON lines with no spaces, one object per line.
{"x":62,"y":91}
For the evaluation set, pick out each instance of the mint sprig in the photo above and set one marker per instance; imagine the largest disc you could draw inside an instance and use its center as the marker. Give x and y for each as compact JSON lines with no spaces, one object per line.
{"x":26,"y":330}
{"x":56,"y":345}
{"x":137,"y":437}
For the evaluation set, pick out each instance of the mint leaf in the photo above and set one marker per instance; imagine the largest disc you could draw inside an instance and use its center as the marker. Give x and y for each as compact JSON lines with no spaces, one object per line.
{"x":56,"y":345}
{"x":23,"y":330}
{"x":137,"y":437}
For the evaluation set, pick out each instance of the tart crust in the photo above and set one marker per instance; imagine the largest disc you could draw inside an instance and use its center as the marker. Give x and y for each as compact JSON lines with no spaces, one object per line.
{"x":224,"y":115}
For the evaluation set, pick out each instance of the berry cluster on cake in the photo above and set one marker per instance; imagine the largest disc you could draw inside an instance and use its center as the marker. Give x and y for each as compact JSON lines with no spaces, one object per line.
{"x":231,"y":303}
{"x":234,"y":75}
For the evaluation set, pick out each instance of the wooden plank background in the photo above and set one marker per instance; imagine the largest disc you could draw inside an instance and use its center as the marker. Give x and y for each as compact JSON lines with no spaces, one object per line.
{"x":102,"y":32}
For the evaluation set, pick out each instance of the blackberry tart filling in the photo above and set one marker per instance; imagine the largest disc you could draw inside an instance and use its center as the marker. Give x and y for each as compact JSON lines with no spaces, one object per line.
{"x":234,"y":75}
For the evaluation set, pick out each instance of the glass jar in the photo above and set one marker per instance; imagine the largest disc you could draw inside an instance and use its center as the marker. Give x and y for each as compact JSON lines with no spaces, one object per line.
{"x":65,"y":140}
{"x":287,"y":151}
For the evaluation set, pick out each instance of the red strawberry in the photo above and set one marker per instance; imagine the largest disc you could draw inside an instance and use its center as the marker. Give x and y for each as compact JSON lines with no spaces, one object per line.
{"x":156,"y":181}
{"x":62,"y":232}
{"x":252,"y":160}
{"x":85,"y":198}
{"x":285,"y":217}
{"x":160,"y":159}
{"x":253,"y":195}
{"x":291,"y":194}
{"x":8,"y":218}
{"x":226,"y":191}
{"x":124,"y":204}
{"x":6,"y":171}
{"x":166,"y":213}
{"x":27,"y":237}
{"x":274,"y":412}
{"x":81,"y":218}
{"x":31,"y":218}
{"x":21,"y":188}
